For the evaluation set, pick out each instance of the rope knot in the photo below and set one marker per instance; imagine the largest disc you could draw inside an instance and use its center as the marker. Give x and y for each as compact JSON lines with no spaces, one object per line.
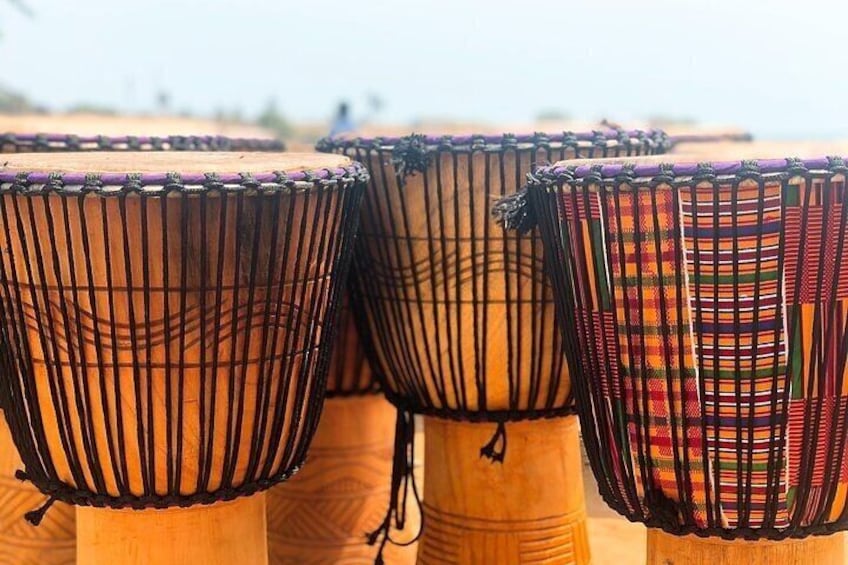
{"x":35,"y":517}
{"x":495,"y":450}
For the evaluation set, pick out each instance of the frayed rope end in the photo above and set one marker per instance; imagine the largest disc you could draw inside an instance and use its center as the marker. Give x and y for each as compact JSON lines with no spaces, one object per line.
{"x":514,"y":212}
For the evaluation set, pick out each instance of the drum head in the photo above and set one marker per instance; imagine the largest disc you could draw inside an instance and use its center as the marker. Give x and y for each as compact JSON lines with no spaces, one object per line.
{"x":181,"y":162}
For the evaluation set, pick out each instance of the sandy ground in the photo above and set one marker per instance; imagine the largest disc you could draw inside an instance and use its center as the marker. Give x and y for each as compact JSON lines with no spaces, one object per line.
{"x":614,"y":540}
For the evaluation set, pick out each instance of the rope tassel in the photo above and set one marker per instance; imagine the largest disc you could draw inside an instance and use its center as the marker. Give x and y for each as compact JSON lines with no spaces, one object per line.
{"x":402,"y":480}
{"x":410,"y":156}
{"x":35,"y":517}
{"x":491,"y":450}
{"x":514,"y":212}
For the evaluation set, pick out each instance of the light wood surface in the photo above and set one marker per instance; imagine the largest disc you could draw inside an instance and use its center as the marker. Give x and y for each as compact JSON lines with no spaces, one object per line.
{"x":322,"y":515}
{"x":53,"y":541}
{"x":667,"y":549}
{"x":762,"y":149}
{"x":167,"y":161}
{"x":528,"y":509}
{"x":225,"y":533}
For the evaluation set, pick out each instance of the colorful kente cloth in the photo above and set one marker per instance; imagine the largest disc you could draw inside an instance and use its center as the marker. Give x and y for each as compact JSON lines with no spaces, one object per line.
{"x":712,"y":337}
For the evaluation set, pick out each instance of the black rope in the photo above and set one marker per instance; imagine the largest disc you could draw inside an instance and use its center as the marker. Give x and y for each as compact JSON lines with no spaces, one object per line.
{"x":402,"y":482}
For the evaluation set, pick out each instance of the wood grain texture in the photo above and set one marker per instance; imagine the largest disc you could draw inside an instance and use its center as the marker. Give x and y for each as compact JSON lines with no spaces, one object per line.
{"x":460,"y":312}
{"x":53,"y":542}
{"x":530,"y":509}
{"x":321,"y":516}
{"x":226,"y":533}
{"x":667,"y":549}
{"x":135,"y":325}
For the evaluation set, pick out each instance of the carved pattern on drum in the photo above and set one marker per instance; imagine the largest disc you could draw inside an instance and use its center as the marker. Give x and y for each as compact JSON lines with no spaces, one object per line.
{"x":324,"y":512}
{"x":455,"y":269}
{"x":451,"y":539}
{"x":86,"y":329}
{"x":53,"y":542}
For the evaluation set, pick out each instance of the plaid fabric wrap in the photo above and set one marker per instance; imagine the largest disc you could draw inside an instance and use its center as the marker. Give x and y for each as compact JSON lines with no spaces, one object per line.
{"x":732,"y":239}
{"x":713,"y":333}
{"x":817,"y":293}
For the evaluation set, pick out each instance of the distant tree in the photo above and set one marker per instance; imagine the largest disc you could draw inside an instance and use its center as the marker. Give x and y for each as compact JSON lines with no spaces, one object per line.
{"x":21,"y":6}
{"x":552,"y":115}
{"x":663,"y":120}
{"x":272,"y":119}
{"x":92,"y":108}
{"x":15,"y":103}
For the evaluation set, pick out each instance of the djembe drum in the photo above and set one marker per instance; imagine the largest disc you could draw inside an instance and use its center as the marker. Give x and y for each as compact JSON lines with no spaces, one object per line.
{"x":166,"y":337}
{"x":703,"y":307}
{"x":53,"y":542}
{"x":457,"y":320}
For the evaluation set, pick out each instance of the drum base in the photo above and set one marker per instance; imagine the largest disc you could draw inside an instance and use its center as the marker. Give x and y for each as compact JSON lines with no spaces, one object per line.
{"x":668,"y":549}
{"x":52,"y":542}
{"x":321,"y":515}
{"x":528,"y":509}
{"x":217,"y":534}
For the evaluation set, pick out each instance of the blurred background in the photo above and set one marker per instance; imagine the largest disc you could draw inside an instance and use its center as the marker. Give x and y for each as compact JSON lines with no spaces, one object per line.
{"x":770,"y":67}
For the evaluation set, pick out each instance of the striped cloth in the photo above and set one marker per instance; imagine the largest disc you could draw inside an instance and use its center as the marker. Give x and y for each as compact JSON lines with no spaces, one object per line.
{"x":713,"y":325}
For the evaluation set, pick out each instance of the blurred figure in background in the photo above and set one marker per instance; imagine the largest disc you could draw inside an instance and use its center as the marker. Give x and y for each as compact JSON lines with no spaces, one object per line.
{"x":342,"y":122}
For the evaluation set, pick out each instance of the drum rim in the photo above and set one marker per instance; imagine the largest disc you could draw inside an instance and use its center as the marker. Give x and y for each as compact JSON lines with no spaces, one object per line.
{"x":656,"y":138}
{"x":64,"y":492}
{"x":156,"y":184}
{"x":38,"y":141}
{"x":687,"y":169}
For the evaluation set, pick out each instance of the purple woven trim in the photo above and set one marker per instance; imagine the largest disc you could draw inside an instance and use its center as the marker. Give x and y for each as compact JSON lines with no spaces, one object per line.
{"x":57,"y":137}
{"x":160,"y":179}
{"x":607,"y":133}
{"x":764,"y":166}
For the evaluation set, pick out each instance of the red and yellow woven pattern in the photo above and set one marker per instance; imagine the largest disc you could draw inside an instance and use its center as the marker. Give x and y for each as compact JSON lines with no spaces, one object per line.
{"x":711,"y":345}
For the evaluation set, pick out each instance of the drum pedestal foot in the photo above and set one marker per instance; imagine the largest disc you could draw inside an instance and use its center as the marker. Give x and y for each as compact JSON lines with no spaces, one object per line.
{"x":323,"y":513}
{"x":219,"y":534}
{"x":668,"y":549}
{"x":53,"y":542}
{"x":530,"y":508}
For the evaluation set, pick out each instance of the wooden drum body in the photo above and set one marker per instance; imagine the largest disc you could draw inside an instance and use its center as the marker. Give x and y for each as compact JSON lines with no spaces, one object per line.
{"x":167,"y":335}
{"x":53,"y":542}
{"x":704,"y":314}
{"x":459,"y":326}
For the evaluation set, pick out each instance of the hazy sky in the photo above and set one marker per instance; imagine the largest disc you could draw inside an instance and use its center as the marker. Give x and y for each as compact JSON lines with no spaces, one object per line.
{"x":776,"y":67}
